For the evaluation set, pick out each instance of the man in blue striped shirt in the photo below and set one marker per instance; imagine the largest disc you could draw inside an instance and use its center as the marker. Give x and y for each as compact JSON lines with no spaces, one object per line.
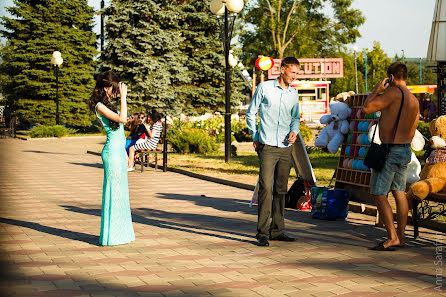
{"x":278,"y":106}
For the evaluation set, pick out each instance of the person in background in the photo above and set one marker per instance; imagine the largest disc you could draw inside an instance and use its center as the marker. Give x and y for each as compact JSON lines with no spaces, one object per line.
{"x":132,"y":122}
{"x":392,"y":177}
{"x":154,"y":134}
{"x":431,"y":110}
{"x":278,"y":105}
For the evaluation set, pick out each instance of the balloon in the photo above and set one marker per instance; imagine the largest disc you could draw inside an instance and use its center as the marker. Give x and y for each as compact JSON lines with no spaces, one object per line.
{"x":361,"y":152}
{"x":349,"y":138}
{"x":347,"y":150}
{"x":353,"y":114}
{"x":354,"y":137}
{"x":350,"y":163}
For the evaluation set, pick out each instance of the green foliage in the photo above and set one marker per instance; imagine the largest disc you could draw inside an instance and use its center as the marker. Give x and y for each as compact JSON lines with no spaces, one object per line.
{"x":298,"y":28}
{"x":191,"y":141}
{"x":40,"y":131}
{"x":305,"y":131}
{"x":413,"y":72}
{"x":377,"y":64}
{"x":169,"y":53}
{"x":423,"y":127}
{"x":144,"y":48}
{"x":203,"y":48}
{"x":37,"y":29}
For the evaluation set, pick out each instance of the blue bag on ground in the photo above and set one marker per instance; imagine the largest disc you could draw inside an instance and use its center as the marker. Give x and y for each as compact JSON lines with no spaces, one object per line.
{"x":329,"y":204}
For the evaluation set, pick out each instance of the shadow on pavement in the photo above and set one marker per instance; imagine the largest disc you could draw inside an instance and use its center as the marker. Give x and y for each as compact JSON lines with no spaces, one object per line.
{"x":195,"y":227}
{"x":346,"y":232}
{"x":42,"y":152}
{"x":88,"y":238}
{"x":12,"y":285}
{"x":97,"y":165}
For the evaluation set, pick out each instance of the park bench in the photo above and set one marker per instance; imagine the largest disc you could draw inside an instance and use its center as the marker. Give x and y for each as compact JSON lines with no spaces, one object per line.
{"x":424,"y":210}
{"x":143,"y":156}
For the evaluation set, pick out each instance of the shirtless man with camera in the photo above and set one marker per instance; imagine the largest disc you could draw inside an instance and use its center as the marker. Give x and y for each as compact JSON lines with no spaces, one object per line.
{"x":386,"y":97}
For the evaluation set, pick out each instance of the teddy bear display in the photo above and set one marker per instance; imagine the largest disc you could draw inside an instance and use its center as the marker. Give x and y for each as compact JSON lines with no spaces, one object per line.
{"x":433,"y":174}
{"x":332,"y":135}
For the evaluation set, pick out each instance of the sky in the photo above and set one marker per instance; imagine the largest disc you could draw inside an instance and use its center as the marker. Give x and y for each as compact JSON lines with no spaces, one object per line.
{"x":396,"y":24}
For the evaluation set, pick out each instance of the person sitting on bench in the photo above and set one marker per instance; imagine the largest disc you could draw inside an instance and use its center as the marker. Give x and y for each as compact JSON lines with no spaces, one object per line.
{"x":151,"y":143}
{"x":133,"y":123}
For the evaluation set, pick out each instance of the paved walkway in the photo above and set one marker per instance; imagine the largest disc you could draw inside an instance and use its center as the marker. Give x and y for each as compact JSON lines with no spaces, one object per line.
{"x":193,"y":238}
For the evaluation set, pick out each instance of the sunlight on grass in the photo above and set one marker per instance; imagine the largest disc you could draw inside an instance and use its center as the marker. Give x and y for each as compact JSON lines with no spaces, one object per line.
{"x":247,"y":163}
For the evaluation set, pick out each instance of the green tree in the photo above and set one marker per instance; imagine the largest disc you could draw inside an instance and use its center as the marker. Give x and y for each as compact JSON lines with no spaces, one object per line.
{"x":35,"y":30}
{"x":144,"y":49}
{"x":413,"y":72}
{"x":348,"y":82}
{"x":279,"y":28}
{"x":170,"y":54}
{"x":377,"y":64}
{"x":203,"y":48}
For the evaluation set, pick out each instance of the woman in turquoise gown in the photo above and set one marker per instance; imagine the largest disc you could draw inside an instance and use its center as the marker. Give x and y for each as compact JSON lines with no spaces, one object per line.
{"x":116,"y":217}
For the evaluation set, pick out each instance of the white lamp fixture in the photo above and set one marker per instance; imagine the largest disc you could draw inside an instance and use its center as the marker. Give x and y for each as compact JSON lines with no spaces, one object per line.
{"x":56,"y":59}
{"x":232,"y":60}
{"x":437,"y":43}
{"x":235,"y":6}
{"x":217,"y":7}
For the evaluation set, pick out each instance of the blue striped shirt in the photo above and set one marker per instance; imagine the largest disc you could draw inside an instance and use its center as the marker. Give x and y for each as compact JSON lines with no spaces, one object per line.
{"x":279,"y":113}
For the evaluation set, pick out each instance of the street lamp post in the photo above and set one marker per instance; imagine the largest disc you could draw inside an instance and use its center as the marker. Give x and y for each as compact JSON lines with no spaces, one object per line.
{"x":102,"y":27}
{"x":355,"y":49}
{"x":228,"y":8}
{"x":57,"y":60}
{"x":365,"y":62}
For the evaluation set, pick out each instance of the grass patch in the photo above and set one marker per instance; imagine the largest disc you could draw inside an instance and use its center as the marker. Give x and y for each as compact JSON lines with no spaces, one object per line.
{"x":247,"y":164}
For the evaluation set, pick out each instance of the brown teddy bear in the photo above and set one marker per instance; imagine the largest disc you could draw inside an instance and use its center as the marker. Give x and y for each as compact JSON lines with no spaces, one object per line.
{"x":433,"y":175}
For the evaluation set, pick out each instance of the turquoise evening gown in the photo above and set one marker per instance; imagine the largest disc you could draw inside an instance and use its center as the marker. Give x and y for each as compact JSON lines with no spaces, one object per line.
{"x":116,"y":217}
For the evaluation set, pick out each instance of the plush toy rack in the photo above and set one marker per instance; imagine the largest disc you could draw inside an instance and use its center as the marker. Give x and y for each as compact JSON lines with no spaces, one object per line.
{"x":351,"y":173}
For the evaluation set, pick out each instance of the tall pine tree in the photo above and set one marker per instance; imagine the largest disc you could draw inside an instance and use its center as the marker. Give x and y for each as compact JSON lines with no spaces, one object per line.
{"x":204,"y":50}
{"x":170,"y":54}
{"x":35,"y":30}
{"x":143,"y":47}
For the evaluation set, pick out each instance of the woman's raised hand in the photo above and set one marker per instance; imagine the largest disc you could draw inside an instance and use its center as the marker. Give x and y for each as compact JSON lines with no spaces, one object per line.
{"x":122,"y":90}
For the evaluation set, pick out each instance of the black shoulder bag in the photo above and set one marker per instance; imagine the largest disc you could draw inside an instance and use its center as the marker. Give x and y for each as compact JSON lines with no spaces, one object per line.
{"x":377,"y":153}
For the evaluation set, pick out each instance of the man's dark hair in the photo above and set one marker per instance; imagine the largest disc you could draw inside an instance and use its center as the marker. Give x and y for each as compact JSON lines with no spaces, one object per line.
{"x":289,"y":61}
{"x":398,"y":70}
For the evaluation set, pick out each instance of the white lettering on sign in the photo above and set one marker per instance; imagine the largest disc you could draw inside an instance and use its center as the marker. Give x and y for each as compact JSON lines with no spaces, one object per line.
{"x":313,"y":68}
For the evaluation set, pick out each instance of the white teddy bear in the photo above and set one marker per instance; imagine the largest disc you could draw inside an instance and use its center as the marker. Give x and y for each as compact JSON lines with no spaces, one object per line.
{"x":332,"y":135}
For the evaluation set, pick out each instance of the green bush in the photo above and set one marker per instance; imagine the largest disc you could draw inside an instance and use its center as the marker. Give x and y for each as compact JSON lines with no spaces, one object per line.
{"x":40,"y":131}
{"x":191,"y":141}
{"x":424,"y":129}
{"x":306,"y":133}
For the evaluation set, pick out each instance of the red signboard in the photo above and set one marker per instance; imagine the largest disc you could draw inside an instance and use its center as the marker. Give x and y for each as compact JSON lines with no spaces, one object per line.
{"x":313,"y":68}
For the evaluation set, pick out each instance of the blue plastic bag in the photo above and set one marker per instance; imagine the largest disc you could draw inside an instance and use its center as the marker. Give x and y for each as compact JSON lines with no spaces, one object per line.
{"x":329,"y":204}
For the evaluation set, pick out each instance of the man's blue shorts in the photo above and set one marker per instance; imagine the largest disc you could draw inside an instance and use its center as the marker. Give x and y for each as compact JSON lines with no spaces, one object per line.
{"x":392,"y":176}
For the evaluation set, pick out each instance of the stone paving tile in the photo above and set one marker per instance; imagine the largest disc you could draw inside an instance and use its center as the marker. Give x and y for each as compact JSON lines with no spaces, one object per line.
{"x":193,"y":238}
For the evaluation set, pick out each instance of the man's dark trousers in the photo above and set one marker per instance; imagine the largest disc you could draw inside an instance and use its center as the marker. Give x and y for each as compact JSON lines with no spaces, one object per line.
{"x":275,"y":166}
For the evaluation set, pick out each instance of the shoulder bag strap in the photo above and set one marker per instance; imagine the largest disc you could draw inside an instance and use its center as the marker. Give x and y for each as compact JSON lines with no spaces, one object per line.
{"x":399,"y":114}
{"x":397,"y":119}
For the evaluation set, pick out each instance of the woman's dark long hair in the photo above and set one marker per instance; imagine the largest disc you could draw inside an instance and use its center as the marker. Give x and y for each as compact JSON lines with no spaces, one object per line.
{"x":105,"y":79}
{"x":155,"y":116}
